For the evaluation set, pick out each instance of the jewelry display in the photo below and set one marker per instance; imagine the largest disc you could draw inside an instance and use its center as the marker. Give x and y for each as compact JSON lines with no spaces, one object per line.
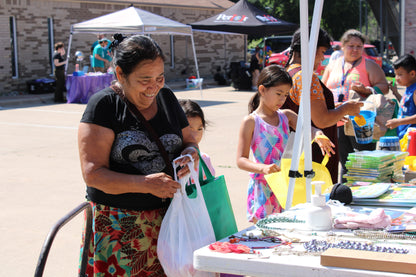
{"x":265,"y":222}
{"x":274,"y":226}
{"x":288,"y":250}
{"x":382,"y":235}
{"x":322,"y":245}
{"x":236,"y":239}
{"x":274,"y":233}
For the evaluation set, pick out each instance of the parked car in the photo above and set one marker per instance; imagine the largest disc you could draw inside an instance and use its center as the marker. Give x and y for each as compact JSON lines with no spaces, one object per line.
{"x":278,"y":58}
{"x":277,"y":44}
{"x":282,"y":58}
{"x":388,"y":68}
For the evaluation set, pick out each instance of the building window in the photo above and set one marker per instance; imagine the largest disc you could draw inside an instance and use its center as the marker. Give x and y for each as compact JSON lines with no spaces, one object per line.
{"x":51,"y":44}
{"x":13,"y":47}
{"x":172,"y":52}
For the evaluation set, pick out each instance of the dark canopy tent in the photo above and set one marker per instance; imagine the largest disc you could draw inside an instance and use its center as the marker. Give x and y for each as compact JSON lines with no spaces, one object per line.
{"x":244,"y":18}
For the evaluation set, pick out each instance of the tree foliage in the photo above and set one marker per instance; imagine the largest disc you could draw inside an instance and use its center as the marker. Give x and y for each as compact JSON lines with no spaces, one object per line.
{"x":337,"y":16}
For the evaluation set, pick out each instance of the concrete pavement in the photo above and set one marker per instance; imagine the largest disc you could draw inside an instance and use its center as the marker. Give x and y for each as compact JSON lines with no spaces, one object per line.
{"x":41,"y":177}
{"x":24,"y":99}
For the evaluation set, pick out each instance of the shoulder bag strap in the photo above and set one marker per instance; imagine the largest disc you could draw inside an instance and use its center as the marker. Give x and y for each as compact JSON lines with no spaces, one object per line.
{"x":203,"y":168}
{"x":294,"y":70}
{"x":140,"y":118}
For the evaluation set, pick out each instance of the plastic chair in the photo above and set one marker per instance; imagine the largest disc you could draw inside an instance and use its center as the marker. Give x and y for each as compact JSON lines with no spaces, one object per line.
{"x":52,"y":233}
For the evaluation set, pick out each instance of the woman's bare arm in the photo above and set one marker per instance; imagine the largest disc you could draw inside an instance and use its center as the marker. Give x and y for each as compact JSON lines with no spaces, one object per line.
{"x":94,"y":143}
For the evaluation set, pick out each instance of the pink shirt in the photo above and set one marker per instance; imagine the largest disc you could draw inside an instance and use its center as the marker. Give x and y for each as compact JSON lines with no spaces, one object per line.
{"x":207,"y":161}
{"x":357,"y":73}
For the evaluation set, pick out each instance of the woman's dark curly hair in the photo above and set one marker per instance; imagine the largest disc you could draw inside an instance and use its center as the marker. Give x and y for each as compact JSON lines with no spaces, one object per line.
{"x":324,"y":40}
{"x":130,"y":51}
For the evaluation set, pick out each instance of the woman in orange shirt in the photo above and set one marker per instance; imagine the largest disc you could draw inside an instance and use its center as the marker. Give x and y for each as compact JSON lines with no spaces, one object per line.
{"x":324,"y":114}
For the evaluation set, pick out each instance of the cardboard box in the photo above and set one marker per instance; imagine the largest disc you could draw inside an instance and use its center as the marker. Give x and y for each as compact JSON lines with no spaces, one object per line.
{"x":368,"y":260}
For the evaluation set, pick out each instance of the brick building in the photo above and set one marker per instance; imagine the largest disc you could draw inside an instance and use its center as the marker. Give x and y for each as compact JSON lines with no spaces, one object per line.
{"x":410,"y":27}
{"x":29,"y":29}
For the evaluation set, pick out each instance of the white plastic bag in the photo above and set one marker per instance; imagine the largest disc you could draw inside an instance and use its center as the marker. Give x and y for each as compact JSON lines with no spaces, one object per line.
{"x":185,"y":228}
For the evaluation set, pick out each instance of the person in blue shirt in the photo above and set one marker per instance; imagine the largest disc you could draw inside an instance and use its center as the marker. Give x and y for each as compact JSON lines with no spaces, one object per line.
{"x":405,"y":70}
{"x":101,"y":56}
{"x":99,"y":37}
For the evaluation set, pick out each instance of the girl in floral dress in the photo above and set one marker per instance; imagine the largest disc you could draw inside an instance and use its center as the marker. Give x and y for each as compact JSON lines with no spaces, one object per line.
{"x":265,"y":131}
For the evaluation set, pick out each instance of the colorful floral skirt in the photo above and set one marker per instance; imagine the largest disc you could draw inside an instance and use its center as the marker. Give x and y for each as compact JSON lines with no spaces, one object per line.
{"x":261,"y":200}
{"x":124,"y":242}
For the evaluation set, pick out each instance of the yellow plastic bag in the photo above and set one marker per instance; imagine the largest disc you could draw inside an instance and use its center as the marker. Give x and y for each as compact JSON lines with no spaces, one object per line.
{"x":404,"y":142}
{"x":279,"y":181}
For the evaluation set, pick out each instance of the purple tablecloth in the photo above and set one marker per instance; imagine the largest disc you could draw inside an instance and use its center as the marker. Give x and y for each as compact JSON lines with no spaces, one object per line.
{"x":81,"y":88}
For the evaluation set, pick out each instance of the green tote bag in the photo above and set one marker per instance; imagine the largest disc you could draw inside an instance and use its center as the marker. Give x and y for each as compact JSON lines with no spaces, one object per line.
{"x":217,"y":200}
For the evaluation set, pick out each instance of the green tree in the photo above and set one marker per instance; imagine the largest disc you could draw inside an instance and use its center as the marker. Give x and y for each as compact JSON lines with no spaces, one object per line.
{"x":337,"y":16}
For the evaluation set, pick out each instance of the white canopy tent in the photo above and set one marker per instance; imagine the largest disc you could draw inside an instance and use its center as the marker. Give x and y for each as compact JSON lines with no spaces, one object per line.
{"x":134,"y":21}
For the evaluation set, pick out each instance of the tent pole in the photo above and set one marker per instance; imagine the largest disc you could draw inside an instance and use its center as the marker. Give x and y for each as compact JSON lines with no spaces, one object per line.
{"x":245,"y":48}
{"x":264,"y":52}
{"x":304,"y":130}
{"x":294,"y":166}
{"x":225,"y":50}
{"x":196,"y":63}
{"x":316,"y":19}
{"x":68,"y":52}
{"x":186,"y":54}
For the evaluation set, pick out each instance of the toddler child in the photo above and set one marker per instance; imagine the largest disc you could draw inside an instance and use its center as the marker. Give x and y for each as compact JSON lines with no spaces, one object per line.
{"x":197,"y":123}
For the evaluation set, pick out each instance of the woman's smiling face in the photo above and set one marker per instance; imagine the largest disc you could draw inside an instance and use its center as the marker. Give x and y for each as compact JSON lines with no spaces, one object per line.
{"x":144,"y":83}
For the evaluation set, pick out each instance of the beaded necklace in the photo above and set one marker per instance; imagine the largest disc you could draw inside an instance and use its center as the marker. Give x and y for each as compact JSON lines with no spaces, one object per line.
{"x":263,"y":223}
{"x":322,"y":245}
{"x":382,"y":235}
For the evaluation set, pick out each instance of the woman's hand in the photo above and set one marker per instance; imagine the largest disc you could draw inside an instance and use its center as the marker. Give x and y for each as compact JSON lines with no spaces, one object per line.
{"x":270,"y":168}
{"x":352,"y":107}
{"x":161,"y":185}
{"x":326,"y":145}
{"x":190,"y":150}
{"x":360,"y":88}
{"x":393,"y":123}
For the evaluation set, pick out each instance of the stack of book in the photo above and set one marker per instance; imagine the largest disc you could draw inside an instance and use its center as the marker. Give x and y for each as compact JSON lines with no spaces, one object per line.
{"x":399,"y":161}
{"x":376,"y":166}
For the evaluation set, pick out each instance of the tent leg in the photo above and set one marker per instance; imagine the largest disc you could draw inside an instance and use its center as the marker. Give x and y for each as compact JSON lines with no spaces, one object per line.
{"x":245,"y":49}
{"x":225,"y":50}
{"x":68,"y":52}
{"x":264,"y":52}
{"x":196,"y":64}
